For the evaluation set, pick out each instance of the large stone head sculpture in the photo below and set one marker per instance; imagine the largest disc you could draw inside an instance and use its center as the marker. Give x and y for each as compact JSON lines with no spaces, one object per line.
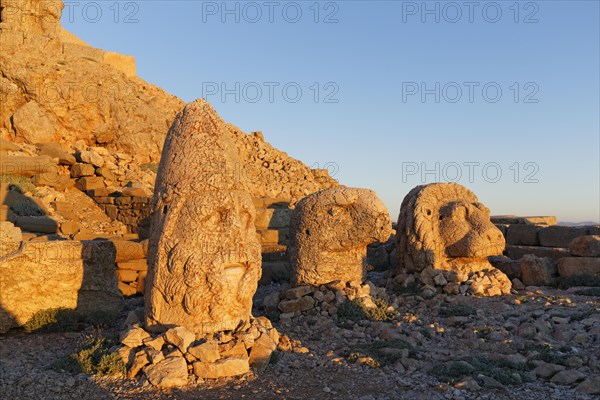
{"x":329,"y":234}
{"x":204,"y":258}
{"x":442,"y":224}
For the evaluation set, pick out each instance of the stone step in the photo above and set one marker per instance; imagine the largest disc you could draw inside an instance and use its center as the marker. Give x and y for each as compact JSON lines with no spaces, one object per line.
{"x":517,"y":252}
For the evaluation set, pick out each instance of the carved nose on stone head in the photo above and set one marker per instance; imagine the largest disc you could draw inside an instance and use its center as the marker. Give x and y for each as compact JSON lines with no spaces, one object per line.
{"x":494,"y":235}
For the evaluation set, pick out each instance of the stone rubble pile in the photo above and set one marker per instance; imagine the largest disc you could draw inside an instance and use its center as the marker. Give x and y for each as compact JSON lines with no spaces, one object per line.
{"x":178,"y":356}
{"x":485,"y":282}
{"x":323,"y":300}
{"x":131,"y":265}
{"x":272,"y":173}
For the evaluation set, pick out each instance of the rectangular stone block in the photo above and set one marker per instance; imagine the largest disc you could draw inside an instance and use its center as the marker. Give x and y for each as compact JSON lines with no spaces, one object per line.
{"x":522,"y":235}
{"x":269,"y":236}
{"x":560,"y":236}
{"x":133,"y":265}
{"x":52,"y":274}
{"x":517,"y":252}
{"x":123,"y":200}
{"x":112,"y":211}
{"x":577,"y":266}
{"x":102,"y":192}
{"x":80,"y":169}
{"x":129,"y":250}
{"x":530,"y":220}
{"x":89,"y":183}
{"x":26,"y":166}
{"x":37,"y":224}
{"x":106,"y":174}
{"x":73,"y":51}
{"x":62,"y":206}
{"x":52,"y":179}
{"x":123,"y":63}
{"x":69,"y":228}
{"x":126,"y":275}
{"x":104,"y":200}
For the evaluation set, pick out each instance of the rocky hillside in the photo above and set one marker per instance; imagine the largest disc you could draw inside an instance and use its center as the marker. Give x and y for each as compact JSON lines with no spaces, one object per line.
{"x":55,"y":88}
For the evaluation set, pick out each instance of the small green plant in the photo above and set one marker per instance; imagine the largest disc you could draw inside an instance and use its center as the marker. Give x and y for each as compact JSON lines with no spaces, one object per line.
{"x":452,"y":371}
{"x":579,"y":280}
{"x":92,"y":358}
{"x":455,"y":310}
{"x":483,"y":331}
{"x":20,"y":183}
{"x":502,"y":370}
{"x":549,"y":354}
{"x":275,"y":357}
{"x":351,"y":310}
{"x":53,"y":320}
{"x":150,"y":167}
{"x":410,"y":289}
{"x":356,"y":310}
{"x":382,"y":352}
{"x":65,"y":320}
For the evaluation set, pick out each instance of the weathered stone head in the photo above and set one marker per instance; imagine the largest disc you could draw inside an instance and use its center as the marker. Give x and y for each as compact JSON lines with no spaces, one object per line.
{"x":204,"y":258}
{"x":442,"y":224}
{"x":329,"y":234}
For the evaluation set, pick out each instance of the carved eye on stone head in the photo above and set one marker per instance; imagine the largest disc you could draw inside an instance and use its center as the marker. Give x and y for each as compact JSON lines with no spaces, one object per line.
{"x":215,"y":218}
{"x":453,"y":211}
{"x":459,"y":212}
{"x":427,"y":211}
{"x":481,"y":207}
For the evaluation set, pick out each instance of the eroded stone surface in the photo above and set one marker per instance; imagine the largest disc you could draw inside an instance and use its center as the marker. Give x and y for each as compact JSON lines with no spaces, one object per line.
{"x":586,"y":246}
{"x":68,"y":274}
{"x":204,"y":258}
{"x":330,"y":231}
{"x":443,"y":227}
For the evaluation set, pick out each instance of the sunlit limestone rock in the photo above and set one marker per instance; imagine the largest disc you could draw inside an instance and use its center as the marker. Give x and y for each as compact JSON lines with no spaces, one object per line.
{"x":204,"y":258}
{"x":444,"y":232}
{"x":330,"y":231}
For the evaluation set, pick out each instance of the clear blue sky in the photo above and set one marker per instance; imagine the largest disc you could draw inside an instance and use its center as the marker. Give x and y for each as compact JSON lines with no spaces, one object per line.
{"x":385,"y":62}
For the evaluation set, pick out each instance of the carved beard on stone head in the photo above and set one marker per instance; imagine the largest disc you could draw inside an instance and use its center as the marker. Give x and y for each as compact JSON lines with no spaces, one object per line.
{"x":204,"y":258}
{"x":209,"y":286}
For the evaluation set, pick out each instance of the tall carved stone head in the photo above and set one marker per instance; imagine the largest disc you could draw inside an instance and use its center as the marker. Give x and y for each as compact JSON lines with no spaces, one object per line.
{"x":329,"y":234}
{"x":204,"y":258}
{"x":440,"y":223}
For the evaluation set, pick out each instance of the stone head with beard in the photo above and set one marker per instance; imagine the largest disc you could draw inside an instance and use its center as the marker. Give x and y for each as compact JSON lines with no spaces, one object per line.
{"x":204,"y":258}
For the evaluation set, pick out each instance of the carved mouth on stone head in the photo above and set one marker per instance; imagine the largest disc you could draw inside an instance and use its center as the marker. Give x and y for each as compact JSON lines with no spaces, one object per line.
{"x":234,"y":269}
{"x":493,"y":249}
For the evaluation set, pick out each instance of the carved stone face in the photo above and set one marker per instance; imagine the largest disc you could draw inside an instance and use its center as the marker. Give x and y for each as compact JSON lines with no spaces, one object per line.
{"x":466,"y":231}
{"x":207,"y":285}
{"x":440,"y":223}
{"x":330,"y":231}
{"x":204,"y":258}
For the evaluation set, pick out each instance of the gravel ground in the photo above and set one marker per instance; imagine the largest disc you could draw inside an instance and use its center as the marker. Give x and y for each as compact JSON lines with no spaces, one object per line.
{"x":318,"y":367}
